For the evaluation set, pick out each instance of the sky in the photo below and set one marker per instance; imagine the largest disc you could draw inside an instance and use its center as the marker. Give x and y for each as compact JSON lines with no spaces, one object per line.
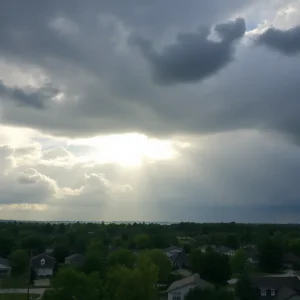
{"x":150,"y":110}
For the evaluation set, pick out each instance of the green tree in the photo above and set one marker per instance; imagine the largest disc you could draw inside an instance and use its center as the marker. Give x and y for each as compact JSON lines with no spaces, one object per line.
{"x":72,"y":284}
{"x":160,"y":259}
{"x":19,"y":262}
{"x":270,"y":255}
{"x":243,"y":288}
{"x":199,"y":293}
{"x":122,"y":257}
{"x":196,"y":261}
{"x":238,"y":261}
{"x":61,"y":251}
{"x":211,"y":266}
{"x":143,"y":241}
{"x":123,"y":283}
{"x":6,"y":245}
{"x":94,"y":262}
{"x":224,"y":294}
{"x":34,"y":243}
{"x":294,"y":246}
{"x":232,"y":241}
{"x":187,"y":247}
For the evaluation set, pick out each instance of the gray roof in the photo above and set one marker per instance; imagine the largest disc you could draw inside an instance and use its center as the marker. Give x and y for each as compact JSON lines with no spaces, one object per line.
{"x":5,"y":262}
{"x":191,"y":280}
{"x":291,"y":258}
{"x":36,"y":261}
{"x":180,"y":257}
{"x":285,"y":293}
{"x":223,"y":249}
{"x":172,"y":248}
{"x":269,"y":282}
{"x":75,"y":259}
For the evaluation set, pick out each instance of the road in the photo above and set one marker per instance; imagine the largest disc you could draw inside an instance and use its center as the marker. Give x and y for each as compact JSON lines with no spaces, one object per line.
{"x":23,"y":291}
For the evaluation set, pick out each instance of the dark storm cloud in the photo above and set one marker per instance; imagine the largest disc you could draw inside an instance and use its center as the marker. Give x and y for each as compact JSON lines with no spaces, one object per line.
{"x":31,"y":98}
{"x":285,"y":41}
{"x":194,"y":56}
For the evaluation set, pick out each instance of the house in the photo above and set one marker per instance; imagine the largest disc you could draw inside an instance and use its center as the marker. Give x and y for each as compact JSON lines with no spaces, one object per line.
{"x":291,"y":261}
{"x":75,"y":260}
{"x":178,"y":289}
{"x":226,"y":250}
{"x":172,"y":249}
{"x":179,"y":260}
{"x":252,"y":255}
{"x":43,"y":265}
{"x":276,"y":288}
{"x":5,"y":268}
{"x":208,"y":248}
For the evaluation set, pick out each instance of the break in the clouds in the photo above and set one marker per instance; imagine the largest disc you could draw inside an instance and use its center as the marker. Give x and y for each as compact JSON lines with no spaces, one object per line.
{"x":86,"y":132}
{"x":194,"y":56}
{"x":286,"y":41}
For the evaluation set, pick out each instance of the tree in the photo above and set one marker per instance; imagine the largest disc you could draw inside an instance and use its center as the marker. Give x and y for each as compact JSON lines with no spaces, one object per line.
{"x":224,"y":294}
{"x":243,"y":288}
{"x":160,"y":259}
{"x":238,"y":261}
{"x":72,"y":284}
{"x":19,"y":262}
{"x":294,"y":247}
{"x":123,"y":283}
{"x":142,"y":241}
{"x":6,"y":245}
{"x":209,"y":293}
{"x":211,"y":266}
{"x":270,"y":255}
{"x":232,"y":241}
{"x":196,"y":260}
{"x":61,"y":251}
{"x":199,"y":293}
{"x":34,"y":243}
{"x":187,"y":248}
{"x":94,"y":262}
{"x":122,"y":257}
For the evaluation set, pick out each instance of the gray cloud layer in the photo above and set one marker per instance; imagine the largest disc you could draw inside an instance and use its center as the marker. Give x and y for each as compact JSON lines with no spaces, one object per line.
{"x":194,"y":56}
{"x":32,"y":98}
{"x":285,"y":41}
{"x":82,"y":48}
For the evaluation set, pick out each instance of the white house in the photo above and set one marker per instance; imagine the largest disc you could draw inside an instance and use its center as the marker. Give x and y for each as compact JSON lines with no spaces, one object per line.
{"x":172,"y":250}
{"x":5,"y":268}
{"x":43,"y":265}
{"x":178,"y":289}
{"x":226,"y":251}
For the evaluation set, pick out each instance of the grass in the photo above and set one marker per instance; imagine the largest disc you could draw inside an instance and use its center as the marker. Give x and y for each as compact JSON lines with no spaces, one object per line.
{"x":14,"y":282}
{"x":18,"y":296}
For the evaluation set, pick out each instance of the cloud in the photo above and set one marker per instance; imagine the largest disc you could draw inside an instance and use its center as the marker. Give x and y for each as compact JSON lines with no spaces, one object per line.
{"x":284,"y":41}
{"x":32,"y":98}
{"x":69,"y":75}
{"x":194,"y":56}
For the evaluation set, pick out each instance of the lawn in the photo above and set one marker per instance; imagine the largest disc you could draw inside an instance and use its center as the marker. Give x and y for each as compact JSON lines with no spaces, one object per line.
{"x":18,"y":296}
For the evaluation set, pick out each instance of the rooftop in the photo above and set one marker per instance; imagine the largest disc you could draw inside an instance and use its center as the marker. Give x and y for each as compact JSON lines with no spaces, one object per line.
{"x":193,"y":279}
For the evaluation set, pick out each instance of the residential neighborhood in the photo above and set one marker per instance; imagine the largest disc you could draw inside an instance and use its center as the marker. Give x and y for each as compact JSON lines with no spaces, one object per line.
{"x":217,"y":264}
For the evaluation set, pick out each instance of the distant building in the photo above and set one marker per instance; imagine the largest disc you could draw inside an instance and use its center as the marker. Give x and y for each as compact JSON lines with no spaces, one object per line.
{"x":75,"y":260}
{"x":179,"y":260}
{"x":276,"y":288}
{"x":291,"y":261}
{"x":179,"y":289}
{"x":226,"y":251}
{"x":43,"y":265}
{"x":5,"y":268}
{"x":172,"y":249}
